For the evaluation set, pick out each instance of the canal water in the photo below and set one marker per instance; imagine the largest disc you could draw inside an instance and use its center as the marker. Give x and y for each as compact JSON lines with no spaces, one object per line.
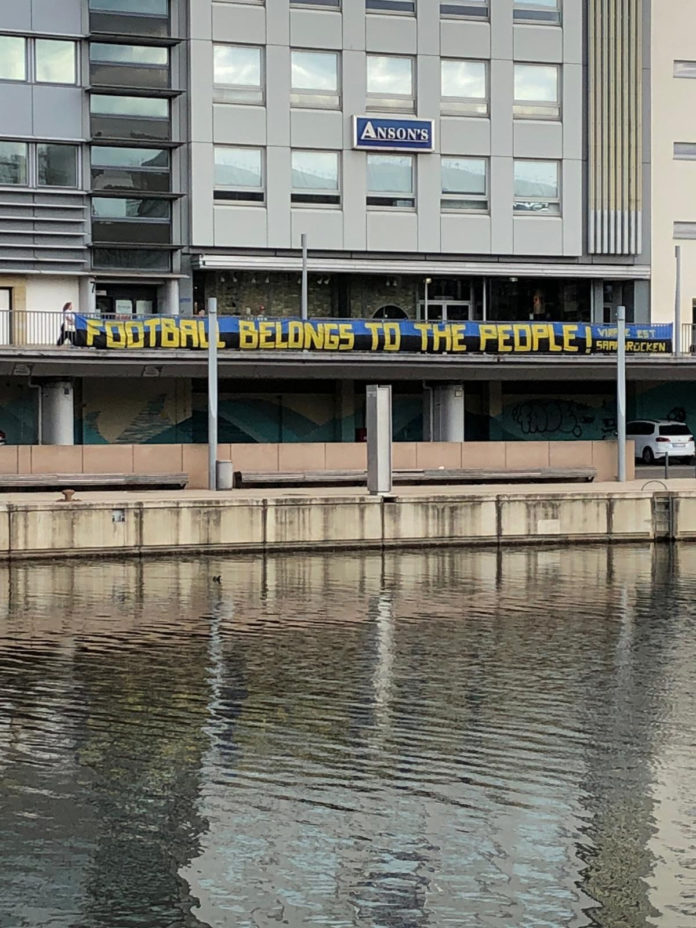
{"x":449,"y":738}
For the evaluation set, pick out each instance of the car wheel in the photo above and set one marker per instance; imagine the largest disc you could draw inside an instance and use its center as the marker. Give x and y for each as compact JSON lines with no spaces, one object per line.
{"x":648,"y":456}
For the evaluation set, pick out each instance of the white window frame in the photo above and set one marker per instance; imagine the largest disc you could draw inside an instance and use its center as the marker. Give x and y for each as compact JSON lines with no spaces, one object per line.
{"x":307,"y":98}
{"x":377,"y":199}
{"x":466,"y":106}
{"x":32,"y":165}
{"x":237,"y":194}
{"x":35,"y":61}
{"x":391,"y":7}
{"x":322,"y":197}
{"x":465,"y":9}
{"x":537,"y":109}
{"x":540,"y":14}
{"x":538,"y":205}
{"x":396,"y":102}
{"x":477,"y":203}
{"x":27,"y":68}
{"x":244,"y":94}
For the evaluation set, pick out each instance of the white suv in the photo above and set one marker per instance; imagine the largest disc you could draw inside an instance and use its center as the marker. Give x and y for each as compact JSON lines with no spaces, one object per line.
{"x":657,"y":438}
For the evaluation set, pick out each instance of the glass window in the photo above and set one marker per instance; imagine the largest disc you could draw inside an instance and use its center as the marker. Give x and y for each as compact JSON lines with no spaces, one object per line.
{"x":13,"y":163}
{"x":137,"y":55}
{"x":536,"y":91}
{"x":130,"y":208}
{"x":237,"y":74}
{"x":685,"y":151}
{"x":315,"y":177}
{"x":125,"y":259}
{"x":464,"y":184}
{"x":106,"y":105}
{"x":55,"y":61}
{"x":685,"y":68}
{"x":539,"y":11}
{"x":537,"y":187}
{"x":330,"y":4}
{"x":13,"y":58}
{"x":390,"y":180}
{"x":466,"y":9}
{"x":239,"y":174}
{"x":464,"y":87}
{"x":391,"y":6}
{"x":141,"y":7}
{"x":314,"y":79}
{"x":56,"y":165}
{"x":108,"y":156}
{"x":390,"y":83}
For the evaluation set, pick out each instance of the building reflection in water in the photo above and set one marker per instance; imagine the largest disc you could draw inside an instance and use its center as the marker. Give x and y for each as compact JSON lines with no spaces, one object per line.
{"x":405,"y":739}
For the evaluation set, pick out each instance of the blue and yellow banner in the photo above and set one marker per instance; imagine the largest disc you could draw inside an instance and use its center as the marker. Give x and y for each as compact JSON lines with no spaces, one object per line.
{"x":341,"y":335}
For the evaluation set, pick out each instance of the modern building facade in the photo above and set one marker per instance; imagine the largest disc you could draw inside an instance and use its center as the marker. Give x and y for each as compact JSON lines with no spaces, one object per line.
{"x":459,"y":160}
{"x":514,"y":212}
{"x":93,"y":117}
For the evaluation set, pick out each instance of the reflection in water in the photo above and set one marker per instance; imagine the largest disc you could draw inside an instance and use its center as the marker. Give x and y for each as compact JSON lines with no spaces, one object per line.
{"x":400,"y":740}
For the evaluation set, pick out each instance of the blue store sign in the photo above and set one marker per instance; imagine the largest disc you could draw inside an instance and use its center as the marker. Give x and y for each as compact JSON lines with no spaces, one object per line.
{"x":393,"y":134}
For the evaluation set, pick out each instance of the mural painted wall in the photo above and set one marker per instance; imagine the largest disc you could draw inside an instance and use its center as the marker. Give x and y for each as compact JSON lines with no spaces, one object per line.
{"x":144,"y":411}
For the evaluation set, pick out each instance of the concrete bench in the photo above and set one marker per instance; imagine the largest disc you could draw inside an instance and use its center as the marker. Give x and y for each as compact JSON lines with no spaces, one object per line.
{"x":337,"y":478}
{"x":11,"y":482}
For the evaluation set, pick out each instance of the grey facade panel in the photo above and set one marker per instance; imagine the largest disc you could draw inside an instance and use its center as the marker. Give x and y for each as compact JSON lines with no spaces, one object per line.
{"x":51,"y":17}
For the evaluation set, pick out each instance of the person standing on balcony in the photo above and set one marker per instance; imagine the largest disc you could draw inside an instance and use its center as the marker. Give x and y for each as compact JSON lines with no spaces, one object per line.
{"x":67,"y":325}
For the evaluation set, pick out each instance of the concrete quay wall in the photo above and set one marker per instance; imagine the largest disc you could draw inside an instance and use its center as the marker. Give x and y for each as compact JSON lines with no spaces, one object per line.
{"x":123,"y":526}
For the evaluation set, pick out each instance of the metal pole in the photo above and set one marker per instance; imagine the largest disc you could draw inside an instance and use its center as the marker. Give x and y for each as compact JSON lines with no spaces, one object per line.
{"x":484,"y":301}
{"x":621,"y":390}
{"x":677,"y":302}
{"x":212,"y":393}
{"x":425,"y":301}
{"x":303,"y":307}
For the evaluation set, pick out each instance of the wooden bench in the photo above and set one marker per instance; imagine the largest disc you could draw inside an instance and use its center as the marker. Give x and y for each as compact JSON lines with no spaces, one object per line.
{"x":337,"y":478}
{"x":11,"y":482}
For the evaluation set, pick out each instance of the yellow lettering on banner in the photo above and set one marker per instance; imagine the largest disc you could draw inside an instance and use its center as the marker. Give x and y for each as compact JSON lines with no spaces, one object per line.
{"x":331,"y":336}
{"x":295,"y":334}
{"x":135,"y":334}
{"x":279,"y":343}
{"x":375,"y":328}
{"x":266,"y":333}
{"x":569,"y":333}
{"x":487,"y":333}
{"x":94,"y":330}
{"x":458,"y":337}
{"x":248,"y":336}
{"x":553,"y":344}
{"x":539,"y":332}
{"x":170,"y":333}
{"x":347,"y":336}
{"x":114,"y":329}
{"x":188,"y":333}
{"x":588,"y":339}
{"x":504,"y":336}
{"x":202,"y":337}
{"x":151,"y":329}
{"x":519,"y":330}
{"x":423,"y":328}
{"x":314,"y":338}
{"x":392,"y":336}
{"x":440,"y":335}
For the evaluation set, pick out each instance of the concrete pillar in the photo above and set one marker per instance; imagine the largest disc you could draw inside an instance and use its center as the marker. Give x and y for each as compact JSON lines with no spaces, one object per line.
{"x":57,"y":413}
{"x":448,"y":412}
{"x":88,"y":296}
{"x":170,"y":299}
